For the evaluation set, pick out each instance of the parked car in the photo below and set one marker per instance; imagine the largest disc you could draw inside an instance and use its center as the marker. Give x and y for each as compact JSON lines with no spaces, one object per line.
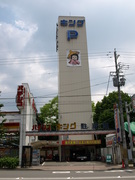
{"x":81,"y":158}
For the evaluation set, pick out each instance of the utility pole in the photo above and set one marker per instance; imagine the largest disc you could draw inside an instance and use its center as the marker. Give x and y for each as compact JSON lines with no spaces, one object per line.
{"x":124,"y":154}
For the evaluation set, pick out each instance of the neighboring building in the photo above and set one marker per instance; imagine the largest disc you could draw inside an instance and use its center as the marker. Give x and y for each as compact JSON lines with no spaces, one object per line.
{"x":74,"y":96}
{"x":9,"y":145}
{"x":11,"y":125}
{"x":17,"y":123}
{"x":26,"y":105}
{"x":112,"y":149}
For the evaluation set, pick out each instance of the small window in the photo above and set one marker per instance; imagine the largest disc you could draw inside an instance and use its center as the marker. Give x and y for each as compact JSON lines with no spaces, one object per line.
{"x":83,"y":126}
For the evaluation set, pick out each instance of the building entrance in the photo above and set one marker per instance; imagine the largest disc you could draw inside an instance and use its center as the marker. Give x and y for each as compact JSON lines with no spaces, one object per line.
{"x":77,"y":152}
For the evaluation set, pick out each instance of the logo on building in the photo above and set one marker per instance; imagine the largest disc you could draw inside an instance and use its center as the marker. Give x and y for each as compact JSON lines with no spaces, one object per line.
{"x":72,"y":34}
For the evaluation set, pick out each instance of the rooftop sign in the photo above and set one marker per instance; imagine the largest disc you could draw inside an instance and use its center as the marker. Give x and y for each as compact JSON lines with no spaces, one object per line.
{"x":72,"y":23}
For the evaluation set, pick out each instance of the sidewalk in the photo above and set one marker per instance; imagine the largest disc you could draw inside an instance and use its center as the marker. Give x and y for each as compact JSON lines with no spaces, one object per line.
{"x":76,"y":166}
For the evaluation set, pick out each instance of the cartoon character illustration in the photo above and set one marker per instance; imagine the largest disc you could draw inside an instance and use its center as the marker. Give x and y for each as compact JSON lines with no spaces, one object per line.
{"x":73,"y":57}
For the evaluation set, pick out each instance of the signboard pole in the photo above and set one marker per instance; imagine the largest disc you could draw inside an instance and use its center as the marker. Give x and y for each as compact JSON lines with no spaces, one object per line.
{"x":21,"y":138}
{"x":22,"y":134}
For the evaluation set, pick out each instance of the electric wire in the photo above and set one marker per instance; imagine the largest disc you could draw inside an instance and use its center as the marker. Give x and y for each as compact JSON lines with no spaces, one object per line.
{"x":97,"y":55}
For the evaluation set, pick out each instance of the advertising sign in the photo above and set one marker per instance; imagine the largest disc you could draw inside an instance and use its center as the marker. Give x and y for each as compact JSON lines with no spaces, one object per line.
{"x":117,"y":123}
{"x":73,"y":58}
{"x":72,"y":23}
{"x":20,"y":98}
{"x":133,"y":102}
{"x":66,"y":126}
{"x":81,"y":142}
{"x":36,"y":157}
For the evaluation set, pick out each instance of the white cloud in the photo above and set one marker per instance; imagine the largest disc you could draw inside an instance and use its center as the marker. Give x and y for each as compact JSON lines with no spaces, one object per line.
{"x":16,"y":37}
{"x":3,"y":77}
{"x":30,"y":32}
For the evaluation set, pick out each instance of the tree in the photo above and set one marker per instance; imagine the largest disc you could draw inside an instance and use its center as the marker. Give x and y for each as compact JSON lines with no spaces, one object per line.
{"x":93,"y":107}
{"x":104,"y":112}
{"x":2,"y":130}
{"x":49,"y":116}
{"x":49,"y":112}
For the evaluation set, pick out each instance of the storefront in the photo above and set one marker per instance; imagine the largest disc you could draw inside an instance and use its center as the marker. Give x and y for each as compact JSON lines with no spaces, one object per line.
{"x":70,"y":150}
{"x":49,"y":150}
{"x":112,"y":148}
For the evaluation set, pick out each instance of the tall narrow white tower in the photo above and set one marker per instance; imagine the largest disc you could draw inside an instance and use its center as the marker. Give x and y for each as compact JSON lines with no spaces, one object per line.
{"x":75,"y":112}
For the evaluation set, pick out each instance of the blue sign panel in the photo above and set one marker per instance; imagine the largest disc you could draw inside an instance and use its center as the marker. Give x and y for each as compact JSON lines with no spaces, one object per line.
{"x":63,"y":23}
{"x":72,"y":34}
{"x":80,"y":23}
{"x":72,"y":23}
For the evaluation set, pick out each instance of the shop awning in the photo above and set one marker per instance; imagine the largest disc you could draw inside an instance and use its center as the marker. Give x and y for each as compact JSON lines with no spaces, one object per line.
{"x":132,"y":126}
{"x":43,"y":143}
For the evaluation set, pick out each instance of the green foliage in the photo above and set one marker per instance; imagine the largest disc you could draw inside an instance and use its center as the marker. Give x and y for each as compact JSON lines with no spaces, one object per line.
{"x":93,"y":107}
{"x":104,"y":110}
{"x":2,"y":130}
{"x":9,"y":162}
{"x":1,"y":105}
{"x":49,"y":116}
{"x":49,"y":113}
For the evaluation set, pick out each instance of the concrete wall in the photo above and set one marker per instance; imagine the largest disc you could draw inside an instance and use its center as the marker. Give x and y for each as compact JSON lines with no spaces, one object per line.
{"x":74,"y":82}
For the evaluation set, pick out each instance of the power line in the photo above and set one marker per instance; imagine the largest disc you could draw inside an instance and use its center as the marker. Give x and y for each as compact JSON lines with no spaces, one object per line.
{"x":45,"y":58}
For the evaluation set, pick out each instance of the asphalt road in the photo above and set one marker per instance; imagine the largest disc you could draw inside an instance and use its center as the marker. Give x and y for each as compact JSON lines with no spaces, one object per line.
{"x":62,"y":175}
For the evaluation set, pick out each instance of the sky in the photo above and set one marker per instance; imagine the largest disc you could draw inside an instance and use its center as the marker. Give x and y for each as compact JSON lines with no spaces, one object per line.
{"x":28,"y":46}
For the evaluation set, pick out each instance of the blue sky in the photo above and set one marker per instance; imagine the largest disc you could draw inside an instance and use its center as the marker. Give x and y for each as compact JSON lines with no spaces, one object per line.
{"x":28,"y":45}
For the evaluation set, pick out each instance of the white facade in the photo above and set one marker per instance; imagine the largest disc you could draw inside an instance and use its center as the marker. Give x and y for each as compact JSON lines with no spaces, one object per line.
{"x":28,"y":116}
{"x":75,"y":111}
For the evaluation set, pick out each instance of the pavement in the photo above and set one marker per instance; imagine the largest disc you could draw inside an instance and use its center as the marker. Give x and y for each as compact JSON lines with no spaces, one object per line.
{"x":77,"y":166}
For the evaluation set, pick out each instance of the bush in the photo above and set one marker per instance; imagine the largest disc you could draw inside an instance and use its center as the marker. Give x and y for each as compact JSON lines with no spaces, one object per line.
{"x":9,"y":162}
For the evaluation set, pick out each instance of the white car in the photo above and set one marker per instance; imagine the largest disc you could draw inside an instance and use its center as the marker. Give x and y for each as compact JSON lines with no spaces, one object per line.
{"x":81,"y":158}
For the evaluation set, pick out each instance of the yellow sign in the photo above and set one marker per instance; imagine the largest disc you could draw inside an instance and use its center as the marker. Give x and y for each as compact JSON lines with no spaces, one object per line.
{"x":66,"y":126}
{"x":81,"y":142}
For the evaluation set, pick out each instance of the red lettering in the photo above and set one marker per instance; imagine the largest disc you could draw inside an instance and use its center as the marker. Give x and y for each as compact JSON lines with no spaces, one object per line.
{"x":36,"y":127}
{"x":33,"y":128}
{"x":20,"y":96}
{"x":44,"y":127}
{"x":39,"y":127}
{"x":33,"y":106}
